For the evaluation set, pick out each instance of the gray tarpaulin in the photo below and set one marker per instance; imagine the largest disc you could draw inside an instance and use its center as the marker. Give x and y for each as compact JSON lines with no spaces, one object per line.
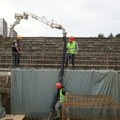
{"x":32,"y":91}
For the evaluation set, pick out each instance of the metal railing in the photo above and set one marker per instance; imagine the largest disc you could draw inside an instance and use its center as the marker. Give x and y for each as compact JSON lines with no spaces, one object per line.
{"x":83,"y":60}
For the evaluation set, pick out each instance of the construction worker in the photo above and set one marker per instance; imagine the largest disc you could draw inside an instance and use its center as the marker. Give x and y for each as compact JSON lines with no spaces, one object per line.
{"x":71,"y":50}
{"x":61,"y":95}
{"x":15,"y":51}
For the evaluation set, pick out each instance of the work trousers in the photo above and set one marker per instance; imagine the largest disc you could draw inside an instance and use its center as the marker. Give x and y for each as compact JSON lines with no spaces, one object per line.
{"x":70,"y":58}
{"x":16,"y":59}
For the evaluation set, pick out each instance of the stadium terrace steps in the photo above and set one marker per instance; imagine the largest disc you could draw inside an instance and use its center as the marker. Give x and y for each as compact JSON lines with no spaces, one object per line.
{"x":46,"y":52}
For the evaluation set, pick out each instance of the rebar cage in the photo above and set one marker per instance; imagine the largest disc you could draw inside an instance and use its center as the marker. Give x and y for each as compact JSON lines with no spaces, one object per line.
{"x":93,"y":107}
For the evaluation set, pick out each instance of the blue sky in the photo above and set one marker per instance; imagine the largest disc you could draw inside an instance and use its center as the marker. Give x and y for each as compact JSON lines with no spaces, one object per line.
{"x":80,"y":18}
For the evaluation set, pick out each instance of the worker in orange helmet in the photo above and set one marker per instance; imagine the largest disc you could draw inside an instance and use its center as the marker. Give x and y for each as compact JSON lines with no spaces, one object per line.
{"x":61,"y":95}
{"x":16,"y":50}
{"x":71,"y":50}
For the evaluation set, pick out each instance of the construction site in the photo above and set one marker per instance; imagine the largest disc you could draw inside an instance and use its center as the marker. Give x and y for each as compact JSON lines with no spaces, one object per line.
{"x":27,"y":92}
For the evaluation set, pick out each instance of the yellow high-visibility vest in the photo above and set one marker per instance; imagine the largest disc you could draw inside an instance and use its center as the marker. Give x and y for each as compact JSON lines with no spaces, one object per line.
{"x":61,"y":96}
{"x":71,"y":47}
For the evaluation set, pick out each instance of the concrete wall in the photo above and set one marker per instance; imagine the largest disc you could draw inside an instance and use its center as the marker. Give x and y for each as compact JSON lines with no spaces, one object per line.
{"x":5,"y":90}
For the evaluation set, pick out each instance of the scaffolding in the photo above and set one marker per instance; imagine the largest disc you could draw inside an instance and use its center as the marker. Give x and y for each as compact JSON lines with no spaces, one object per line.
{"x":90,"y":107}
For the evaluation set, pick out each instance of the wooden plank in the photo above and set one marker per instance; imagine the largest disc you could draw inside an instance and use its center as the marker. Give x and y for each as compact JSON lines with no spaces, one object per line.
{"x":13,"y":117}
{"x":7,"y":117}
{"x":18,"y":117}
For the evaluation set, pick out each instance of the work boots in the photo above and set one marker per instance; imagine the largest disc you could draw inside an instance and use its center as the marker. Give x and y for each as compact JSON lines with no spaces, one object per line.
{"x":58,"y":115}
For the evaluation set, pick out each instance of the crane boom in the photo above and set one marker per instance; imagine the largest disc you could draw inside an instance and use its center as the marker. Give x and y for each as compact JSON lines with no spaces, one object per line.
{"x":25,"y":15}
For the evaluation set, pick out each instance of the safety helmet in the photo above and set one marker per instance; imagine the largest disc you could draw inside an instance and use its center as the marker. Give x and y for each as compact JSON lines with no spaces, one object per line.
{"x":18,"y":37}
{"x":58,"y":85}
{"x":71,"y":38}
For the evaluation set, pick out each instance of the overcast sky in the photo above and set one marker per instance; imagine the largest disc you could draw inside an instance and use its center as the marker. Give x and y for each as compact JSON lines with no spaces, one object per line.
{"x":80,"y":18}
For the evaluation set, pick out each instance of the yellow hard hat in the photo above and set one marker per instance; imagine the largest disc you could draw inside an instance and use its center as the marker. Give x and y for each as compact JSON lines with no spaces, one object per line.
{"x":19,"y":37}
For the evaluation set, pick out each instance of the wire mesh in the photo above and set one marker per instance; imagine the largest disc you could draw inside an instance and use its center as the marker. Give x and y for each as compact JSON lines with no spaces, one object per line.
{"x":91,"y":107}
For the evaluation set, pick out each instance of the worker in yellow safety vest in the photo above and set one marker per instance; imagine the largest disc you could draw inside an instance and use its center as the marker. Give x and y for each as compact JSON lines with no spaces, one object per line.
{"x":71,"y":50}
{"x":61,"y":95}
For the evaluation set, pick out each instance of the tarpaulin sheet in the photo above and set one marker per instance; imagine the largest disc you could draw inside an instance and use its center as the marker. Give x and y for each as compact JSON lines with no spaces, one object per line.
{"x":33,"y":90}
